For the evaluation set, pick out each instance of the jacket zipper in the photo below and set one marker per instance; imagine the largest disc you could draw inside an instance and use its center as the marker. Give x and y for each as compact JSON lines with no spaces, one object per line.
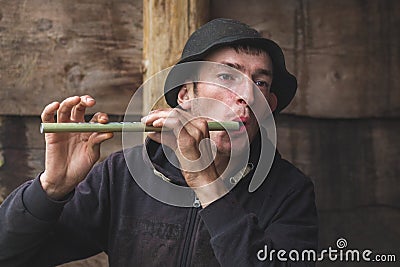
{"x":192,"y":223}
{"x":191,"y":227}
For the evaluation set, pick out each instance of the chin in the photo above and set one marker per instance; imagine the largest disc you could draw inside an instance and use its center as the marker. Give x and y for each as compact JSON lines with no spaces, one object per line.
{"x":236,"y":148}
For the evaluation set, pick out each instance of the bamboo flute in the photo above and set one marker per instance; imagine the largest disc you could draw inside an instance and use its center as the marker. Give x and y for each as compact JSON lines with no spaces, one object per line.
{"x":125,"y":126}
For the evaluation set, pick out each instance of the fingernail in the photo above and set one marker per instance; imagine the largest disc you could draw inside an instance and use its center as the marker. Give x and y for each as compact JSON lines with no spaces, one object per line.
{"x":144,"y":119}
{"x":89,"y":99}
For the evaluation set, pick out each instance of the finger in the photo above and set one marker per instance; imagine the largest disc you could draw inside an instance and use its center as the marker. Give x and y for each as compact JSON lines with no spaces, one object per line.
{"x":64,"y":112}
{"x":100,"y":117}
{"x":191,"y":135}
{"x":196,"y":127}
{"x":49,"y":111}
{"x":98,"y":138}
{"x":78,"y":111}
{"x":176,"y":120}
{"x":155,"y":115}
{"x":95,"y":141}
{"x":169,"y":122}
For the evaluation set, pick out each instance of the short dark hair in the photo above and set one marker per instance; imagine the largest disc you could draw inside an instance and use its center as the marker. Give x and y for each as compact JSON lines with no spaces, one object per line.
{"x":247,"y":48}
{"x":250,"y":49}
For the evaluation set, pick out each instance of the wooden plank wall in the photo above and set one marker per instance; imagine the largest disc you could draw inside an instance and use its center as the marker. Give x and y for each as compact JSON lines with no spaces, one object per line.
{"x":342,"y":129}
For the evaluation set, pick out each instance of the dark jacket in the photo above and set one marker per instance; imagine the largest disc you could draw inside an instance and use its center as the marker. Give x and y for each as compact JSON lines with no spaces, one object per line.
{"x":109,"y":212}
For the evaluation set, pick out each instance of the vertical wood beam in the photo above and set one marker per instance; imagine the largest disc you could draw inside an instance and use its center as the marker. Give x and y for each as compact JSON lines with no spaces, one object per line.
{"x":167,"y":25}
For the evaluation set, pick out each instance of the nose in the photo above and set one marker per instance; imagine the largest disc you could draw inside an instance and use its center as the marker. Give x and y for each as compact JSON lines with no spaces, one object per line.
{"x":245,"y":93}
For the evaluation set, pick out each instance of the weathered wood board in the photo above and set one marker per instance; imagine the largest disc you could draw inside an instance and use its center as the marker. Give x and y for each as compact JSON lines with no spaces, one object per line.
{"x":354,"y":162}
{"x":345,"y":54}
{"x":53,"y":49}
{"x":354,"y":166}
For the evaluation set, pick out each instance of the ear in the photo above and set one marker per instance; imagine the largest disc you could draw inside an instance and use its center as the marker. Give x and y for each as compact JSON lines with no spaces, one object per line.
{"x":184,"y":93}
{"x":272,"y":101}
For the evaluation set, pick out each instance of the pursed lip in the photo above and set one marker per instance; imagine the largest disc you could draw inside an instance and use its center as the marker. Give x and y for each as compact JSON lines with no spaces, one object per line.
{"x":243,"y":121}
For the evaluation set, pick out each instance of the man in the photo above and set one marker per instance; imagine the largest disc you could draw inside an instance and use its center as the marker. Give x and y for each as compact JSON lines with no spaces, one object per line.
{"x":74,"y":210}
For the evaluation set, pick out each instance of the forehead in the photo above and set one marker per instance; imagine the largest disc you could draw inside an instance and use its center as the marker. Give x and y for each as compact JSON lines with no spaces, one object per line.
{"x":250,"y":62}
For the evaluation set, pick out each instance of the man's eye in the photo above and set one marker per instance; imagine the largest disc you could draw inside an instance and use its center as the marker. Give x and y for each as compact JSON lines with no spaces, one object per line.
{"x":225,"y":77}
{"x":261,"y":84}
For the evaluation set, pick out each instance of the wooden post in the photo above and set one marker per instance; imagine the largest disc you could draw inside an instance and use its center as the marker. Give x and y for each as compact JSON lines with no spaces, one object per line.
{"x":167,"y":25}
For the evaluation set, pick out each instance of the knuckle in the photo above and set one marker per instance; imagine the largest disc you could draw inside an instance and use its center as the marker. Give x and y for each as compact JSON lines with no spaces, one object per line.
{"x":198,"y":134}
{"x":102,"y":115}
{"x":201,"y":127}
{"x":189,"y":142}
{"x":203,"y":124}
{"x":80,"y":106}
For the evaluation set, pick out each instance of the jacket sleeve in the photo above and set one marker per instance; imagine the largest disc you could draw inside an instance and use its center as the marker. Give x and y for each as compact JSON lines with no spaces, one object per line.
{"x":239,"y":238}
{"x":38,"y":231}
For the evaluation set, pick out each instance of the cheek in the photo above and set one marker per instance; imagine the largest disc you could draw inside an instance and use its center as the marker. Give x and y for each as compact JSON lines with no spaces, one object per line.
{"x":262,"y":106}
{"x":215,"y":92}
{"x":212,"y":108}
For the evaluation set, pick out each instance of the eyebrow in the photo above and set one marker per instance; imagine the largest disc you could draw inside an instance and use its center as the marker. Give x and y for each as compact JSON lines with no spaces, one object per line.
{"x":242,"y":69}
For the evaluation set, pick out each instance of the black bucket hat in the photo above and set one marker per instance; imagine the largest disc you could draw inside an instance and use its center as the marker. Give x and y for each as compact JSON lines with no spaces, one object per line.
{"x":221,"y":32}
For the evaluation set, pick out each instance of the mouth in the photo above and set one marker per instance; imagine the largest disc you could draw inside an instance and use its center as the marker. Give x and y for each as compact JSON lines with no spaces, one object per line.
{"x":243,"y":121}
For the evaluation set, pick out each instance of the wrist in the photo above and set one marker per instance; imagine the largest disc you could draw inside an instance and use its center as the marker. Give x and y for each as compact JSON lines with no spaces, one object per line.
{"x":53,"y":190}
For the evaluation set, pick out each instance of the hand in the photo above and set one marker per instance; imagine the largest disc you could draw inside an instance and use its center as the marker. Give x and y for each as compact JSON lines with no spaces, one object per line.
{"x":191,"y":141}
{"x":70,"y":156}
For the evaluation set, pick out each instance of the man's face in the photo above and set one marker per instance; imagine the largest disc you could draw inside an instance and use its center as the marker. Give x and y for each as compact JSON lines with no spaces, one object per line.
{"x":238,"y":99}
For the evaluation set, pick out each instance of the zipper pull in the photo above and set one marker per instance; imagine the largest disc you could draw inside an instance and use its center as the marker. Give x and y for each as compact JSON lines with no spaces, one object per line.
{"x":196,"y":202}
